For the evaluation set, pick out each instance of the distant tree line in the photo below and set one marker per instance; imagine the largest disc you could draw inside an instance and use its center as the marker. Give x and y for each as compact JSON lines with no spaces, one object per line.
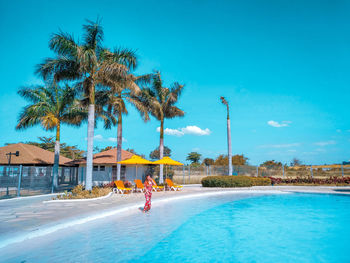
{"x":48,"y":143}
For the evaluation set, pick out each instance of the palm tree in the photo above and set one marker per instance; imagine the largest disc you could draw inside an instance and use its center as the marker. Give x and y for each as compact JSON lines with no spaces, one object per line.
{"x":50,"y":107}
{"x":115,"y":98}
{"x":160,"y":102}
{"x":224,"y":101}
{"x":90,"y":64}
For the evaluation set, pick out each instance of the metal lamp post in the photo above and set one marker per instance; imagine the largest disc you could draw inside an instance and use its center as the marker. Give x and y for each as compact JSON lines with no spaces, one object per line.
{"x":224,"y":101}
{"x":9,"y":155}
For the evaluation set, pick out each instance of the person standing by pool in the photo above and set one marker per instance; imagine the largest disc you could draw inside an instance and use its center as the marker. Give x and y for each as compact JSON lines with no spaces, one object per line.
{"x":148,"y":192}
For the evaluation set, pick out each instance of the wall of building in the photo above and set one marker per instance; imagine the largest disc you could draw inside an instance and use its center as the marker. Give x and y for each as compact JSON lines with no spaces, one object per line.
{"x":104,"y":174}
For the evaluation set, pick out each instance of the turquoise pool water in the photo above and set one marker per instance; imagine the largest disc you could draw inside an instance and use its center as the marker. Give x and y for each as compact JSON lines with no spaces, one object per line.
{"x":227,"y":228}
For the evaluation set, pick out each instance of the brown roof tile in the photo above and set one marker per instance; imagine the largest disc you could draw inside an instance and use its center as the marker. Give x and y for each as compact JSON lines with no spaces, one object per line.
{"x":29,"y":155}
{"x":106,"y":157}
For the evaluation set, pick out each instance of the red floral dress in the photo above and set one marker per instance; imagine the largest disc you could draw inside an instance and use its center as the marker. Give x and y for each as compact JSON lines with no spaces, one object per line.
{"x":148,"y":195}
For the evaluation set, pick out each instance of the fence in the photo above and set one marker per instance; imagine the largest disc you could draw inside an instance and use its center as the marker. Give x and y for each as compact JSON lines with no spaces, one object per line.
{"x":193,"y":175}
{"x":34,"y":180}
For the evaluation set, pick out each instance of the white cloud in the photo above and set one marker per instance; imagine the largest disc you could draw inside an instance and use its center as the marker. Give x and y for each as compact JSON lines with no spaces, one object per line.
{"x":279,"y":125}
{"x":100,"y":138}
{"x":320,"y":150}
{"x":281,"y":145}
{"x":113,"y":139}
{"x":174,"y":132}
{"x":325,"y":143}
{"x":194,"y":130}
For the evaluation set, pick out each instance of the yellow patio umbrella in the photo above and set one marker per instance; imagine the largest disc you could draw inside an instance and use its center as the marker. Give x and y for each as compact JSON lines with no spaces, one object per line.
{"x":135,"y":159}
{"x":167,"y":161}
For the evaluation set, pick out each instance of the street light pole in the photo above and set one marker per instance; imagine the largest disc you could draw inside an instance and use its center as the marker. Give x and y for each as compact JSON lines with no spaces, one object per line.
{"x":9,"y":155}
{"x":224,"y":101}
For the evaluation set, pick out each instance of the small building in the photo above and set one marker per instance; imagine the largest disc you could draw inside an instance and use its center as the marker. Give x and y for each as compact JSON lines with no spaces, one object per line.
{"x":37,"y":165}
{"x":105,"y":168}
{"x":29,"y":155}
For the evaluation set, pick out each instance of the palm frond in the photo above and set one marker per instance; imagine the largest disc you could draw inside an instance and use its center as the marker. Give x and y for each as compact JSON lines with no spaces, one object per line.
{"x":175,"y":91}
{"x":27,"y":119}
{"x":93,"y":34}
{"x":126,"y":57}
{"x":144,"y":79}
{"x":60,"y":68}
{"x":76,"y":114}
{"x":140,"y":106}
{"x":30,"y":94}
{"x":172,"y":112}
{"x":64,"y":44}
{"x":157,"y":86}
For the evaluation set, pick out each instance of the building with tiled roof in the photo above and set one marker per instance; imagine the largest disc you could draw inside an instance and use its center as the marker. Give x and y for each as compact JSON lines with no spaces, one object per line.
{"x":29,"y":155}
{"x":105,"y":167}
{"x":106,"y":157}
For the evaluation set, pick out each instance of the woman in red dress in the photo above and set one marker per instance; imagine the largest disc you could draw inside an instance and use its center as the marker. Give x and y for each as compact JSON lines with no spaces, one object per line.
{"x":148,"y":192}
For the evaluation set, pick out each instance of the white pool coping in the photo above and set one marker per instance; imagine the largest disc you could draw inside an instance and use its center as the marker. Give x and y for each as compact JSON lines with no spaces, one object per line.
{"x":130,"y":207}
{"x":28,"y":197}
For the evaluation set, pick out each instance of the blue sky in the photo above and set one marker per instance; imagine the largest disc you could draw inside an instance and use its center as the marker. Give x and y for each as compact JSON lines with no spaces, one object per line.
{"x":283,"y":66}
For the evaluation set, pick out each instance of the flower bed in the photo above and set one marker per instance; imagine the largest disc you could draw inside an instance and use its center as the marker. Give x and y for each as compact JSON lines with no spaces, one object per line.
{"x":234,"y":181}
{"x":311,"y":181}
{"x":80,"y":193}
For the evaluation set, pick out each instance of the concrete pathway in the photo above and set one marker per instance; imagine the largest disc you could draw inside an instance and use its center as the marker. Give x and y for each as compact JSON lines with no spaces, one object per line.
{"x":24,"y":215}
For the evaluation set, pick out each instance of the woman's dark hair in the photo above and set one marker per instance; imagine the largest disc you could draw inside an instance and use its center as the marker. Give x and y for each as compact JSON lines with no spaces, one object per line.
{"x":148,"y":175}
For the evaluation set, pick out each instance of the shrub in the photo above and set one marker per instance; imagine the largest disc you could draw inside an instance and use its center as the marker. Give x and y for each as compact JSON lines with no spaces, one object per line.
{"x":227,"y":181}
{"x":109,"y":185}
{"x":260,"y":181}
{"x":234,"y":181}
{"x":79,"y":192}
{"x":127,"y":184}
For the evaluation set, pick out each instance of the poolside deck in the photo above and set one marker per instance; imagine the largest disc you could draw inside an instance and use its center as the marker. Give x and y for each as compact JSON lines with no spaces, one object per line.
{"x":21,"y":216}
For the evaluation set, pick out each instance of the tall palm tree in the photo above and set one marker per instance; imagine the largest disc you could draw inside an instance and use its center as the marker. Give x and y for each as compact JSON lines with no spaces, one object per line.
{"x":160,"y":101}
{"x":89,"y":63}
{"x":50,"y":107}
{"x":115,"y":98}
{"x":224,"y":101}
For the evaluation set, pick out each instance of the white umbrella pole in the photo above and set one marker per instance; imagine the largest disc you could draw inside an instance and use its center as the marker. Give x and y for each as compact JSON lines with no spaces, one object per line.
{"x":166,"y":172}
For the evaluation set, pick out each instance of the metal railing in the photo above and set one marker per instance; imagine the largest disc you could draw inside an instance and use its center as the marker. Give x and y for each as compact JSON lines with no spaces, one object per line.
{"x":34,"y":180}
{"x":193,"y":175}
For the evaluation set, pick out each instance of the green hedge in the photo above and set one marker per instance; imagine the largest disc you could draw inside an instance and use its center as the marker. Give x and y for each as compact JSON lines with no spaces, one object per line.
{"x":234,"y":181}
{"x":260,"y":181}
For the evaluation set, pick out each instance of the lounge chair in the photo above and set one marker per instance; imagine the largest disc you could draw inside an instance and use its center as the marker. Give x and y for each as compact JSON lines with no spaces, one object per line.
{"x":156,"y":187}
{"x":120,"y":188}
{"x":173,"y":186}
{"x":139,"y":185}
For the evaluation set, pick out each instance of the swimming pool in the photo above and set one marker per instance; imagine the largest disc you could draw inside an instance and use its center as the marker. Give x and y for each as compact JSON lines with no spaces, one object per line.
{"x":223,"y":228}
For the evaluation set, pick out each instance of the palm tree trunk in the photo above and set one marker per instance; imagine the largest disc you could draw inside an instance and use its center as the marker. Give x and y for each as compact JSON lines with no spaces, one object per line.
{"x":90,"y":147}
{"x":119,"y":144}
{"x":161,"y":150}
{"x":229,"y":146}
{"x":56,"y":159}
